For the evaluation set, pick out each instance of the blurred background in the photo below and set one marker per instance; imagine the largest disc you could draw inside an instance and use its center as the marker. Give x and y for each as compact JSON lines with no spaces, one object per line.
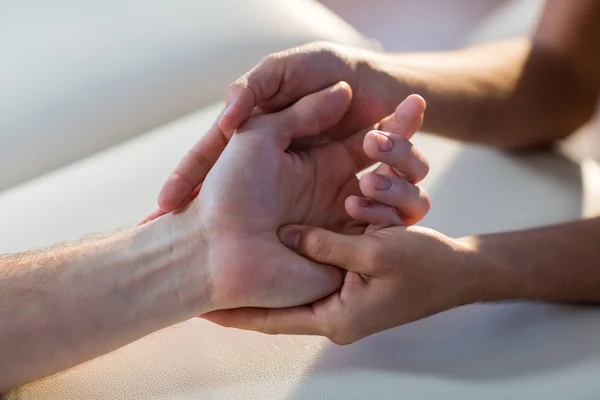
{"x":406,"y":25}
{"x":80,"y":81}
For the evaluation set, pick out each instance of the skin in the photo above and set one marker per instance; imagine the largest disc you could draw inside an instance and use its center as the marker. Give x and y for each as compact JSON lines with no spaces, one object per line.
{"x":79,"y":300}
{"x":512,"y":94}
{"x":68,"y":304}
{"x":387,"y":285}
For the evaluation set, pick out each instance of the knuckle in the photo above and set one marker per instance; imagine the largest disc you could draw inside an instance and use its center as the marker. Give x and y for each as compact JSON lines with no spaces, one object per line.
{"x":268,"y":60}
{"x":319,"y":247}
{"x":342,"y":335}
{"x":200,"y":160}
{"x":420,"y":165}
{"x":342,"y":340}
{"x":402,"y":148}
{"x":374,"y":254}
{"x":425,"y":200}
{"x":255,"y":87}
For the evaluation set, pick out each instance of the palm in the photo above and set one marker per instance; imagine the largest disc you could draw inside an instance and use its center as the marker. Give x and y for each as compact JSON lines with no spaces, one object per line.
{"x":258,"y":185}
{"x":333,"y":181}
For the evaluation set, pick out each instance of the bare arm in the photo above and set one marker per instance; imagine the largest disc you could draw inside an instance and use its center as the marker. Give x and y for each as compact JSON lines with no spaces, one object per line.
{"x":63,"y":306}
{"x":558,"y":263}
{"x":69,"y":304}
{"x":513,"y":93}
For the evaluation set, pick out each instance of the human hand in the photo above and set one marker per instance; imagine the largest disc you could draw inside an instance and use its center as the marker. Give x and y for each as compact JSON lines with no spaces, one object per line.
{"x":275,"y":83}
{"x":391,"y":197}
{"x":259,"y":184}
{"x":393,"y":276}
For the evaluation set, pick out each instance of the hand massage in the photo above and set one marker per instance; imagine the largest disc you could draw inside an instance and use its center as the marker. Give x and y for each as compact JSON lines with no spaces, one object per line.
{"x":295,"y":212}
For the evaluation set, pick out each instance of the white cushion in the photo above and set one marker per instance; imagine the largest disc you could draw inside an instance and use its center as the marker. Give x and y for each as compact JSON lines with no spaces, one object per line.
{"x":77,"y":77}
{"x":524,"y":351}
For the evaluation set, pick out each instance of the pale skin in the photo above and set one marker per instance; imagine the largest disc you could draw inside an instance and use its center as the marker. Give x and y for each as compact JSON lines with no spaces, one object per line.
{"x":513,"y":94}
{"x":65,"y":305}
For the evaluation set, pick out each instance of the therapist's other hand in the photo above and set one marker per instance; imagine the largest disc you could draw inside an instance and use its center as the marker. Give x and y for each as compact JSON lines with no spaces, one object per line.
{"x":390,"y":195}
{"x":393,"y":276}
{"x":278,"y":81}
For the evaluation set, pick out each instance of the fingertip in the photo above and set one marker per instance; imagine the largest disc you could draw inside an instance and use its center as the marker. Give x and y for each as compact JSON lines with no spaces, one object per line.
{"x":343,"y":87}
{"x":352,"y":206}
{"x":417,"y":101}
{"x":289,"y":236}
{"x":377,"y":142}
{"x":173,"y":193}
{"x":240,"y":101}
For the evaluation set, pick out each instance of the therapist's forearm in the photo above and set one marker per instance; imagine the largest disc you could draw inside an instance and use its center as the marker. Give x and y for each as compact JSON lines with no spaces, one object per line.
{"x":65,"y":305}
{"x":509,"y":94}
{"x":559,"y":263}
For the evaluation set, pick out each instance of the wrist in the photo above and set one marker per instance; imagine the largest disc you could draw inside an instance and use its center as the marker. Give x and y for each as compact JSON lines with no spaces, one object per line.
{"x":383,"y":74}
{"x":189,"y":259}
{"x":492,"y":277}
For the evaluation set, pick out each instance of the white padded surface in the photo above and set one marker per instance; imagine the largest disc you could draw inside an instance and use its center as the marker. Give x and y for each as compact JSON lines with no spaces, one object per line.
{"x":508,"y":351}
{"x":79,"y":76}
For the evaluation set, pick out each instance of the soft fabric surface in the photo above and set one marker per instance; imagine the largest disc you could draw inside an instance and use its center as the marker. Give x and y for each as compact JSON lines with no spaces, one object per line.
{"x":77,"y":77}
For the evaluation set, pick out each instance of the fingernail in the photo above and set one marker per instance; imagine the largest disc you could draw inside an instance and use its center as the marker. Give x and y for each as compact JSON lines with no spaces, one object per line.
{"x":290,"y":237}
{"x":384,"y":143}
{"x":364,"y":202}
{"x":382,"y":183}
{"x":227,"y":111}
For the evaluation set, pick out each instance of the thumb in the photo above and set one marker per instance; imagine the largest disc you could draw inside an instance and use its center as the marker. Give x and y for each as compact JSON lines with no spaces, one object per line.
{"x":323,"y":246}
{"x":407,"y":119}
{"x":253,"y":88}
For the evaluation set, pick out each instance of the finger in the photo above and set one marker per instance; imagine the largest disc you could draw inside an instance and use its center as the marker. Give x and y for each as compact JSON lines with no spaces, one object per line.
{"x":254,"y":87}
{"x":155,"y":214}
{"x":354,"y":146}
{"x":316,"y":112}
{"x":325,"y":247}
{"x":283,"y":78}
{"x":397,"y":152}
{"x":407,"y":118}
{"x":294,"y":321}
{"x":410,"y":201}
{"x":192,"y":169}
{"x":372,"y":212}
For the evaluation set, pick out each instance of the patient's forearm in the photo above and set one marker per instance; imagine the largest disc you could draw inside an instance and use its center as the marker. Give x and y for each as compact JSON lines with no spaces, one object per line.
{"x":559,"y":263}
{"x":62,"y":306}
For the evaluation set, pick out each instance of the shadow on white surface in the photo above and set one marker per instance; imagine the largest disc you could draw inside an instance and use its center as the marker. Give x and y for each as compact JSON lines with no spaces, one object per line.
{"x":478,"y":190}
{"x":479,"y":342}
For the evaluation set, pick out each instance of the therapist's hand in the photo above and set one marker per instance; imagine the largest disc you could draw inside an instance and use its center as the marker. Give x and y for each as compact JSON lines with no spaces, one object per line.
{"x":278,"y":81}
{"x":393,"y":276}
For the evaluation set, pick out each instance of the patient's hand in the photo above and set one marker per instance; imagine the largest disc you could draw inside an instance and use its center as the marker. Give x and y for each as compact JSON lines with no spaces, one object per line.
{"x":259,"y":184}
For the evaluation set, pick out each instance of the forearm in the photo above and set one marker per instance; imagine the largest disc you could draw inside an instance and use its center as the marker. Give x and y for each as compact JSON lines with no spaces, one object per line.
{"x":63,"y":306}
{"x":559,"y":263}
{"x":509,"y":94}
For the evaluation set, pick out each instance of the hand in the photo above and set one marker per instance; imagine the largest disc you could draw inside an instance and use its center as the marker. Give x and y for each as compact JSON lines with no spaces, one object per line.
{"x":394,"y":276}
{"x":257,"y":185}
{"x":374,"y":280}
{"x":278,"y":81}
